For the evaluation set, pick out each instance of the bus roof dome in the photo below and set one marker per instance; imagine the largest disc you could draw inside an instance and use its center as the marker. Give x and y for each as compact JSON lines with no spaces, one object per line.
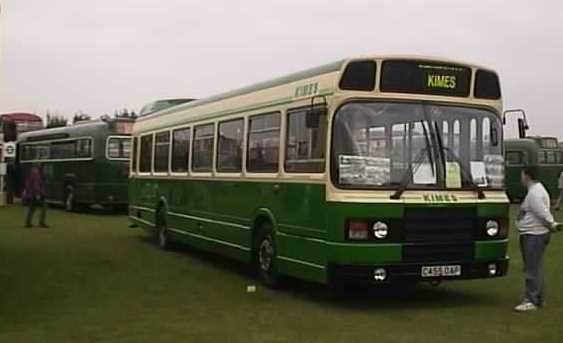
{"x":158,"y":105}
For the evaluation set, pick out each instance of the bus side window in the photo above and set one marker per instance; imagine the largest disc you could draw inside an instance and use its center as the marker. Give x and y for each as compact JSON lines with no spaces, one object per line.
{"x":180,"y":150}
{"x":63,"y":150}
{"x":229,"y":148}
{"x":161,"y":152}
{"x":305,"y":147}
{"x":134,"y":155}
{"x":202,"y":155}
{"x":84,"y":148}
{"x":113,"y":148}
{"x":514,"y":158}
{"x":145,"y":154}
{"x":551,"y":157}
{"x":263,"y":143}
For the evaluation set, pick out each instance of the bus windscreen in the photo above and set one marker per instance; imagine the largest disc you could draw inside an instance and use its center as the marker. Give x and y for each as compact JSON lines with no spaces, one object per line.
{"x":421,"y":77}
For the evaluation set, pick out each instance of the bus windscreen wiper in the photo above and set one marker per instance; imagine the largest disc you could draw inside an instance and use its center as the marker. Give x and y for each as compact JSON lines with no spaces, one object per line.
{"x":413,"y":167}
{"x":417,"y":163}
{"x":464,"y":171}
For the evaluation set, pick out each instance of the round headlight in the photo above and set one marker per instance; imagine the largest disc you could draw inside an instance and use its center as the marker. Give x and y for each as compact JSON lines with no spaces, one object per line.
{"x":492,"y":228}
{"x":380,"y":274}
{"x":380,"y":230}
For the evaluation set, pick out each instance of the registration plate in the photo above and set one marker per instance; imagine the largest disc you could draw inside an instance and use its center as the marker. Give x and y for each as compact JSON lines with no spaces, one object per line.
{"x":435,"y":271}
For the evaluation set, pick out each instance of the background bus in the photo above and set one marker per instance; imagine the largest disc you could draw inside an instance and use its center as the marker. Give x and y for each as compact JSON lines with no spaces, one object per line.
{"x":84,"y":164}
{"x":23,"y":122}
{"x":371,"y":170}
{"x":541,"y":152}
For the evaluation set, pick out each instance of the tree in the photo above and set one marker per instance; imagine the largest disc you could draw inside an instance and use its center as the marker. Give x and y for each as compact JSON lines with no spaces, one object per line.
{"x":125,"y":113}
{"x":79,"y":116}
{"x":54,"y":120}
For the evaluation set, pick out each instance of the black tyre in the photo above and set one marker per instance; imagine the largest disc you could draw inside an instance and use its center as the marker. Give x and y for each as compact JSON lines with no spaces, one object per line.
{"x":266,"y":256}
{"x":162,"y":238}
{"x":70,"y":200}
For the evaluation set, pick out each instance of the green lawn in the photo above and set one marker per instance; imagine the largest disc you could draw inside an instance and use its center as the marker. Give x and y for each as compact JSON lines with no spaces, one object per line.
{"x":91,"y":278}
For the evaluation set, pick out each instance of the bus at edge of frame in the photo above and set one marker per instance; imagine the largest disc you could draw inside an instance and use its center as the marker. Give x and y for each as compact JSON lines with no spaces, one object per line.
{"x":82,"y":165}
{"x":544,"y":153}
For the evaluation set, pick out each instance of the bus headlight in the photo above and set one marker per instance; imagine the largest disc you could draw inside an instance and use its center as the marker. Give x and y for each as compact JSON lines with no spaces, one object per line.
{"x":380,"y":274}
{"x":380,"y":230}
{"x":492,"y":228}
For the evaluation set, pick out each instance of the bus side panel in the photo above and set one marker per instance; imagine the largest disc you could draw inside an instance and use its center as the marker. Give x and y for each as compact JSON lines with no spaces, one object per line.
{"x":201,"y":211}
{"x":300,"y":210}
{"x":142,"y":202}
{"x":548,"y":175}
{"x":218,"y":215}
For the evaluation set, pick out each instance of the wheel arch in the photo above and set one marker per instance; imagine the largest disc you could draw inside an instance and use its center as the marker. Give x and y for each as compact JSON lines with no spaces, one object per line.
{"x":262,"y":215}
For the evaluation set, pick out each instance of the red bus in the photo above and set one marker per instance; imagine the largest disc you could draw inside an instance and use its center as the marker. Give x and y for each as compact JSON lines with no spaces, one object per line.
{"x":22,"y":122}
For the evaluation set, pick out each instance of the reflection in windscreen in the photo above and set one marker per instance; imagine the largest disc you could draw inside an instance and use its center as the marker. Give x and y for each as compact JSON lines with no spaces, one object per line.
{"x":375,"y":144}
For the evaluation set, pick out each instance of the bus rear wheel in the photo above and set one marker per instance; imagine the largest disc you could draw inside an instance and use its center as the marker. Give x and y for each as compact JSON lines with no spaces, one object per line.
{"x":266,"y":256}
{"x":162,"y":231}
{"x":70,"y":204}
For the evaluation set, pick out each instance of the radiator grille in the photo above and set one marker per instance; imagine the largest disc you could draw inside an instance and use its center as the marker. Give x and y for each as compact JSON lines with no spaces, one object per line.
{"x":439,"y":234}
{"x":435,"y":225}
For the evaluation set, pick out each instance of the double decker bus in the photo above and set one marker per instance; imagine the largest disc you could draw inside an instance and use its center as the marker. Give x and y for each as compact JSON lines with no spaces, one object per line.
{"x":82,"y":165}
{"x":544,"y":153}
{"x":21,"y":122}
{"x":372,"y":169}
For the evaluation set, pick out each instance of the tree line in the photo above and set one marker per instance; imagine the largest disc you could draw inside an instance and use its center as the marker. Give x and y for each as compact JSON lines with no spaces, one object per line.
{"x":58,"y":120}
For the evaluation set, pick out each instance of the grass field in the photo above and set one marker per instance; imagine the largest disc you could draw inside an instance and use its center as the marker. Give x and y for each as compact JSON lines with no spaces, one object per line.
{"x":91,"y":278}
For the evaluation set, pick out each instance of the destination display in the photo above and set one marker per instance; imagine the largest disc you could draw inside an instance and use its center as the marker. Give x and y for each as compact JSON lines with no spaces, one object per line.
{"x":421,"y":77}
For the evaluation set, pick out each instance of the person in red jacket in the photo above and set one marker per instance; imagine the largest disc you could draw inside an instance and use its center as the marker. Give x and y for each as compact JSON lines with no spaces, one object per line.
{"x":34,"y":195}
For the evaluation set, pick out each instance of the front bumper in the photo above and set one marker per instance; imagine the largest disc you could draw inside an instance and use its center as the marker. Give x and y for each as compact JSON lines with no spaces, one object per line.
{"x":344,"y":273}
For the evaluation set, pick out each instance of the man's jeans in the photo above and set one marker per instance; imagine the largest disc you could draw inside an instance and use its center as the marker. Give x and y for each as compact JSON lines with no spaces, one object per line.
{"x":532,"y":248}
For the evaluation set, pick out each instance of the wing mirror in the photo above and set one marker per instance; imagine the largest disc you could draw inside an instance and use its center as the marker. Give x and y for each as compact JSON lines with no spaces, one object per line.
{"x":522,"y":122}
{"x":522,"y":128}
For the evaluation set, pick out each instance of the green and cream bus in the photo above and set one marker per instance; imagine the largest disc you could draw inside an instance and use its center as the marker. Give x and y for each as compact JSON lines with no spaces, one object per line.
{"x":371,"y":169}
{"x":82,"y":165}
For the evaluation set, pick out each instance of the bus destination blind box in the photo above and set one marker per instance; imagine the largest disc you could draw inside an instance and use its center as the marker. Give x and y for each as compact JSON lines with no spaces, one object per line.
{"x":421,"y":77}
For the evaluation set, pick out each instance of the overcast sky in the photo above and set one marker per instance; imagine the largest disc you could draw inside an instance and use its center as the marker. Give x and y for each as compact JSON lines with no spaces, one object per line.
{"x":96,"y":56}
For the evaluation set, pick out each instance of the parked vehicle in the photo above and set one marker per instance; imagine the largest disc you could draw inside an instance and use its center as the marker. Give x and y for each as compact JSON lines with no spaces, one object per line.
{"x":82,"y":165}
{"x":369,"y":169}
{"x":542,"y":152}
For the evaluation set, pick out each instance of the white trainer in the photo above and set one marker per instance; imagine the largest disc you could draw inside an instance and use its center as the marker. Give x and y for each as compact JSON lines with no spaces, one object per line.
{"x":525,"y":306}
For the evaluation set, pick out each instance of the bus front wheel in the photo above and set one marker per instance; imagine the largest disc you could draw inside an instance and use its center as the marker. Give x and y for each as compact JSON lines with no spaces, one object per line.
{"x":266,"y":256}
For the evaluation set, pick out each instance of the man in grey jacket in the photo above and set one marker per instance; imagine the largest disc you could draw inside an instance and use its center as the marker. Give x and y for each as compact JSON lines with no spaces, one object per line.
{"x":535,"y":223}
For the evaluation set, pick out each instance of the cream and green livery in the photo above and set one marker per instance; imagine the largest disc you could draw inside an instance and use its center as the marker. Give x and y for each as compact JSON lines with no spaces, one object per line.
{"x":371,"y":169}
